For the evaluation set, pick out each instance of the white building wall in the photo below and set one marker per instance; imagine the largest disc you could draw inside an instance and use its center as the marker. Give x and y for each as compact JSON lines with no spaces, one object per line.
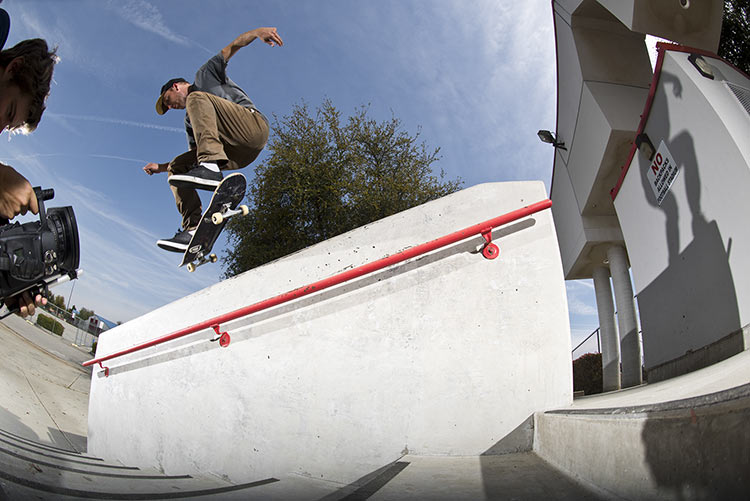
{"x":690,"y":255}
{"x":443,"y":355}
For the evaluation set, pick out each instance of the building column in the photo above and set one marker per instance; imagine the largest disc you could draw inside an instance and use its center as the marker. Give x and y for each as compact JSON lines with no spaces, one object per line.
{"x":630,"y":346}
{"x":610,"y":343}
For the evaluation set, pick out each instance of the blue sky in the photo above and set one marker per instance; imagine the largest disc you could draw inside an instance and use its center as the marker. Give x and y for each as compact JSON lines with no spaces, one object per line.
{"x":477,"y":77}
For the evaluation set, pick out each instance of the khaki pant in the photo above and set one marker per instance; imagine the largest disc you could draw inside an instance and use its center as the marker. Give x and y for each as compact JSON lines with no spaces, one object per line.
{"x":226,"y":133}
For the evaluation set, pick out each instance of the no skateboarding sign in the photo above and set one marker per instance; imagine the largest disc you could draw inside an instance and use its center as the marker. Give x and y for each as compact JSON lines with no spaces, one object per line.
{"x":662,"y":172}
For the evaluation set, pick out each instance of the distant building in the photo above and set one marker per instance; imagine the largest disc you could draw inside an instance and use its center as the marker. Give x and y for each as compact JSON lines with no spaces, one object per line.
{"x":96,"y":324}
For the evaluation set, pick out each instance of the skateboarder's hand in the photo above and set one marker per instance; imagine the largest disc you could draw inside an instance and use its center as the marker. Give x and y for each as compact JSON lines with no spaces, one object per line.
{"x":154,"y":168}
{"x":269,"y":36}
{"x":25,"y":304}
{"x":16,"y":194}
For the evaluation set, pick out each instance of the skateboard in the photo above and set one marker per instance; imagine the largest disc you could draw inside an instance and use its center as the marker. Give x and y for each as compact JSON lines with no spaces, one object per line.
{"x":223,"y":205}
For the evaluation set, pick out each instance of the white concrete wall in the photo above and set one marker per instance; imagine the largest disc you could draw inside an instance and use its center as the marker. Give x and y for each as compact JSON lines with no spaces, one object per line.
{"x":444,"y":355}
{"x":691,"y":255}
{"x":696,"y":23}
{"x":603,"y":74}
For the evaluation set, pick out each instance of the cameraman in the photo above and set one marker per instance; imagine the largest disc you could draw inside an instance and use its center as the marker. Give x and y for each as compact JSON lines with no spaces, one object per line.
{"x":25,"y":75}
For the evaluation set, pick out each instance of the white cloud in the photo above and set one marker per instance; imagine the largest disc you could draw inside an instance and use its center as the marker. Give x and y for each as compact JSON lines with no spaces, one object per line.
{"x":581,"y":298}
{"x":148,"y":17}
{"x":115,"y":121}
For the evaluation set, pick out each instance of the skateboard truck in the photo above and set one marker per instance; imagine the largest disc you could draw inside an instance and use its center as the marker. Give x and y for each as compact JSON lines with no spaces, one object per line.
{"x":201,"y":261}
{"x":222,"y":337}
{"x":225,"y":213}
{"x":490,"y":250}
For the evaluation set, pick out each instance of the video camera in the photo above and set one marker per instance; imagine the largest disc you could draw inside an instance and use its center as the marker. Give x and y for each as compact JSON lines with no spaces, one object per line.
{"x":38,"y":254}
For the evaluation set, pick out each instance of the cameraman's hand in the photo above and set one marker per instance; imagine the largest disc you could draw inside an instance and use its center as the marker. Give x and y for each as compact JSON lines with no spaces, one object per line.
{"x":25,"y":304}
{"x":154,"y":168}
{"x":16,"y":194}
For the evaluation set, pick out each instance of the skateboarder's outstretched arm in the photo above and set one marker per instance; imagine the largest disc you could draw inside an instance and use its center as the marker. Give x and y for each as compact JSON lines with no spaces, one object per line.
{"x":268,"y":35}
{"x":154,"y":168}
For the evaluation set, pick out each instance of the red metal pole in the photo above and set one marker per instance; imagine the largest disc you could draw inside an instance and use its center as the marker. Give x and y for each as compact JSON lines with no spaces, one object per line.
{"x":337,"y":279}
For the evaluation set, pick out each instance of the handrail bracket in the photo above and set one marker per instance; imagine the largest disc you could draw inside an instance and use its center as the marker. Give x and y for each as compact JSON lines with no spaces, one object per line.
{"x":106,"y":369}
{"x":222,"y":337}
{"x":490,"y":250}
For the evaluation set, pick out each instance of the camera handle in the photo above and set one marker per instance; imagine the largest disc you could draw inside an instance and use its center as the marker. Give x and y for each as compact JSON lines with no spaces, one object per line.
{"x":41,"y":196}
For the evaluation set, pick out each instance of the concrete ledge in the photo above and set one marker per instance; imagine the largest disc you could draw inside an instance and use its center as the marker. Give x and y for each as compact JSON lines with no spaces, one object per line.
{"x":693,"y":360}
{"x":434,"y":356}
{"x":695,"y":448}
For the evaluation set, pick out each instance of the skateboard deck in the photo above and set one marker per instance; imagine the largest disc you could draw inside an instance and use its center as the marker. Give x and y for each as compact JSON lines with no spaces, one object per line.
{"x":223,"y":205}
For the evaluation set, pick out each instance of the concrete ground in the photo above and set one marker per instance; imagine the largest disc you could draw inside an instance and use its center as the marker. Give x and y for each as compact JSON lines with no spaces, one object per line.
{"x":45,"y":400}
{"x":46,"y":391}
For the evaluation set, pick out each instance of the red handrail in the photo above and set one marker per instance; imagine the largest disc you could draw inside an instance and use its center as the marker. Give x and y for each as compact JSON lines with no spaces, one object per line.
{"x":490,"y":252}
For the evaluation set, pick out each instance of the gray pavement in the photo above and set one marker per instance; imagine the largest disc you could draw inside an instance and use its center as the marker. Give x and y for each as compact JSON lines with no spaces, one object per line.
{"x":46,"y":391}
{"x":46,"y":401}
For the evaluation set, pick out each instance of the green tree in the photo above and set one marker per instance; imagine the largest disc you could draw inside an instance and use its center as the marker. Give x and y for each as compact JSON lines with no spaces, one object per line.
{"x":587,"y":373}
{"x":325,"y":176}
{"x":84,"y":314}
{"x":59,"y":301}
{"x":734,"y":44}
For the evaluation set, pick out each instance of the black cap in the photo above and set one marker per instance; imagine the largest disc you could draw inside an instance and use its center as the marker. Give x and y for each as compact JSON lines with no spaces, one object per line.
{"x":160,"y":108}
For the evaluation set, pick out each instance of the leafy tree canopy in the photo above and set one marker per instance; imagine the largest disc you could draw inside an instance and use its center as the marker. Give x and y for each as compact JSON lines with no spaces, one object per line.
{"x":326,"y":175}
{"x":734,"y":45}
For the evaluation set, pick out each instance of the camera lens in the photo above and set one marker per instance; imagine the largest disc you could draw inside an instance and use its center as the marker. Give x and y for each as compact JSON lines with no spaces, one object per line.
{"x":62,"y":224}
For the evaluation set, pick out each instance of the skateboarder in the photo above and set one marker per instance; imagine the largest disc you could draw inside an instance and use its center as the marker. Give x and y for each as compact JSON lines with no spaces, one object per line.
{"x":224,"y":129}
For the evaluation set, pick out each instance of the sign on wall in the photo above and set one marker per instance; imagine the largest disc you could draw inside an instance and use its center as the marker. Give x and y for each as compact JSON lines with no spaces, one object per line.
{"x":662,"y":172}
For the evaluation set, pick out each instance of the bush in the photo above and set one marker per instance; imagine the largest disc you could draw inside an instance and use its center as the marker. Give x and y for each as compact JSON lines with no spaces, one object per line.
{"x":587,"y":373}
{"x":50,"y":324}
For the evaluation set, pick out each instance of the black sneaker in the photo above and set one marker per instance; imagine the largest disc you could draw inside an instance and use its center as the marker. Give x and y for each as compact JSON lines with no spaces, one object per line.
{"x":198,"y":177}
{"x":178,"y":243}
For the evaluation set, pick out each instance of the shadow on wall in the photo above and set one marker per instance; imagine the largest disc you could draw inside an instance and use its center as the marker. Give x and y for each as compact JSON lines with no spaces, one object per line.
{"x":701,"y":452}
{"x":693,"y":302}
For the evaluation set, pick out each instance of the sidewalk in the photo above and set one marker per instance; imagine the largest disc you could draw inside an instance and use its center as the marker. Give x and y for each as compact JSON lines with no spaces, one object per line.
{"x":46,"y":391}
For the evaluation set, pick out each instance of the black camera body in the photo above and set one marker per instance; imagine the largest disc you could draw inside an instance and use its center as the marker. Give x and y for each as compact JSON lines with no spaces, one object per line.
{"x":38,"y":254}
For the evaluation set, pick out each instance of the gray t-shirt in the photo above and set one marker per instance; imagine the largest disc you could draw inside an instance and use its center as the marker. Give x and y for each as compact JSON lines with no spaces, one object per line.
{"x":212,"y":78}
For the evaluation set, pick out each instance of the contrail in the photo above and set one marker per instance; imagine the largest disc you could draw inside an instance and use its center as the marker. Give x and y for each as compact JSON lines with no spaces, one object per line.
{"x":115,"y":121}
{"x":74,"y":155}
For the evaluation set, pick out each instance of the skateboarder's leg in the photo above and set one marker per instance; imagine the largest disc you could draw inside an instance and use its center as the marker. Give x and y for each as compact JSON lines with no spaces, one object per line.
{"x":187,"y":199}
{"x":226,"y":133}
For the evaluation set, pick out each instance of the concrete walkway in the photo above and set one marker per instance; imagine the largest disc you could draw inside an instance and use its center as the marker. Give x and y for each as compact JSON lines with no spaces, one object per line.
{"x":724,"y":375}
{"x":45,"y":400}
{"x":46,"y":391}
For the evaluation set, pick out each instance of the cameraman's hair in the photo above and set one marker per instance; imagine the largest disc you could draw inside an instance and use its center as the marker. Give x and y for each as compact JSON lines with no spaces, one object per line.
{"x":33,"y":75}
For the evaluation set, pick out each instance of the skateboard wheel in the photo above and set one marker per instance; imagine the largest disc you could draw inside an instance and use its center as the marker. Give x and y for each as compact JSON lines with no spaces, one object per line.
{"x":217,"y":218}
{"x":191,"y":267}
{"x":245,"y":210}
{"x":491,"y":251}
{"x":213,"y":258}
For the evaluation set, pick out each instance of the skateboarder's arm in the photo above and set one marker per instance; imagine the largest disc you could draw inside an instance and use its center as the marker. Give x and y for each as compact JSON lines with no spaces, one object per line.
{"x":154,"y":168}
{"x":268,"y":35}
